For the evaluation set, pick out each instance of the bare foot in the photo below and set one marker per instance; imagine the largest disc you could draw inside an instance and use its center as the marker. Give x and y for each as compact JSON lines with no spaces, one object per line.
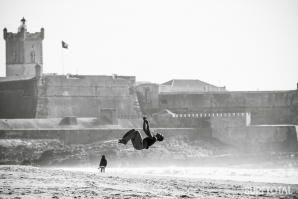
{"x":122,"y":142}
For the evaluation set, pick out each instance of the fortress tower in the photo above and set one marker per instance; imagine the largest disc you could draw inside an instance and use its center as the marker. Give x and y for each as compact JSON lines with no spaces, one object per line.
{"x":23,"y":51}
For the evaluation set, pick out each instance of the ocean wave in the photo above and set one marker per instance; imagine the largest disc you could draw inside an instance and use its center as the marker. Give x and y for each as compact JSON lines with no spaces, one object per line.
{"x":257,"y":175}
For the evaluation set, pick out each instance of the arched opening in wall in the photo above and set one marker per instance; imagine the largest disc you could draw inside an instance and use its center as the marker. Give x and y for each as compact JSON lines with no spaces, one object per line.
{"x":14,"y":57}
{"x":32,"y":54}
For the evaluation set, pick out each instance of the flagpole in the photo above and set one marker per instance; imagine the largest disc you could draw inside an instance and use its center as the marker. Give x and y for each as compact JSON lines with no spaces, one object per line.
{"x":62,"y":62}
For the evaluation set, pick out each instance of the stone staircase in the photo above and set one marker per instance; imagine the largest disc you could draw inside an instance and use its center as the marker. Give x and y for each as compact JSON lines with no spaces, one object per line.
{"x":136,"y":105}
{"x":42,"y":101}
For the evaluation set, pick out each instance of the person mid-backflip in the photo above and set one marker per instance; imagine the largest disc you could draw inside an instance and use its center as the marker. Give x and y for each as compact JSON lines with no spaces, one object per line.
{"x":136,"y":138}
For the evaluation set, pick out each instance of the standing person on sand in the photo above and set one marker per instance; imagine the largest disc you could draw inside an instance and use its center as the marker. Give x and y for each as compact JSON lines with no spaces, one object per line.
{"x":136,"y":138}
{"x":103,"y":163}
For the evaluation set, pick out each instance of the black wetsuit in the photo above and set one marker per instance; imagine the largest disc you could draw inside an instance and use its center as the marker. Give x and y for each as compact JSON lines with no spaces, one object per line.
{"x":150,"y":141}
{"x":136,"y":138}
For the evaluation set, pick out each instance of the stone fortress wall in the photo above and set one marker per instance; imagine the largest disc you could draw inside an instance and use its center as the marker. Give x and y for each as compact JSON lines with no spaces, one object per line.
{"x":59,"y":96}
{"x":266,"y":107}
{"x":82,"y":96}
{"x":234,"y":129}
{"x":18,"y":97}
{"x":108,"y":101}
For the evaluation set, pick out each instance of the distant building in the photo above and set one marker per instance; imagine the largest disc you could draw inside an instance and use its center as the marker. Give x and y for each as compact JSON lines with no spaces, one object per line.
{"x":189,"y":85}
{"x":150,"y":95}
{"x":23,"y":51}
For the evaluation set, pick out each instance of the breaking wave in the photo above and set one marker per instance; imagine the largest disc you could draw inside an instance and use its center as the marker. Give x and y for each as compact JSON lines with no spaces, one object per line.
{"x":289,"y":176}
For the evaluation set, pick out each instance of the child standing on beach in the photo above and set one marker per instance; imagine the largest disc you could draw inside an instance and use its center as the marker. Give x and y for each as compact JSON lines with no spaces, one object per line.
{"x":103,"y":163}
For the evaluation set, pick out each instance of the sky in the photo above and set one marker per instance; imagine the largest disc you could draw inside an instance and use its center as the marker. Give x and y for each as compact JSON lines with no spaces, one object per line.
{"x":244,"y":45}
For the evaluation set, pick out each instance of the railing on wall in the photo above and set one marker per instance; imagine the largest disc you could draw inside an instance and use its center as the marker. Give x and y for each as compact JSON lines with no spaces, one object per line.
{"x":130,"y":116}
{"x":211,"y":115}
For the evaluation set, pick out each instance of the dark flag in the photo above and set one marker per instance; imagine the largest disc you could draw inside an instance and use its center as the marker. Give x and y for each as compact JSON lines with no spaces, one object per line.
{"x":64,"y":45}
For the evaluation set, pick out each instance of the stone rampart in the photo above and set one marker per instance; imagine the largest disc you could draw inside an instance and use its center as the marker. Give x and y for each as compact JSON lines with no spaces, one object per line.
{"x":266,"y":107}
{"x":18,"y":97}
{"x":82,"y":96}
{"x":83,"y":80}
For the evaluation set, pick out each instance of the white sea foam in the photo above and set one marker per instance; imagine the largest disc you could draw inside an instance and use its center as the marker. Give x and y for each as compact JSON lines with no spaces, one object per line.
{"x":289,"y":176}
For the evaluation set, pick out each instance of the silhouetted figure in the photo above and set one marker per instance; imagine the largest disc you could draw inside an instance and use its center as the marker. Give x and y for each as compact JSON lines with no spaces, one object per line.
{"x":103,"y":163}
{"x":136,"y":138}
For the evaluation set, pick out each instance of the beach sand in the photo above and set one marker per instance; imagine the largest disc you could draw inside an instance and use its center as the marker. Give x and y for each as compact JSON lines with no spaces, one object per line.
{"x":35,"y":182}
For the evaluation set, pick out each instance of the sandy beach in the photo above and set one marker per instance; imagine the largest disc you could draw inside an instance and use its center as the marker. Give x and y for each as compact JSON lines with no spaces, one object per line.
{"x":35,"y":182}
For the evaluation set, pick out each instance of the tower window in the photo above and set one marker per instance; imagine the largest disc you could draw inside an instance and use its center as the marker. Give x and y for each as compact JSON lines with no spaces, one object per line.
{"x":32,"y":54}
{"x":14,"y":57}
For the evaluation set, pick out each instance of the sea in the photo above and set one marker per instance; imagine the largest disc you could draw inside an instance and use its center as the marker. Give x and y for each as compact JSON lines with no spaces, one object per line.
{"x":287,"y":176}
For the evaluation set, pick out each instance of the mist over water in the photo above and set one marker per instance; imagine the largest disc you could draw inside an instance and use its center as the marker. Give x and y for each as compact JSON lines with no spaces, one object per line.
{"x":289,"y":176}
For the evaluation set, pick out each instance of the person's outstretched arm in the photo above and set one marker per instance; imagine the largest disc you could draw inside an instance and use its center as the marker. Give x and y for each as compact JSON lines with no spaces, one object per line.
{"x":147,"y":130}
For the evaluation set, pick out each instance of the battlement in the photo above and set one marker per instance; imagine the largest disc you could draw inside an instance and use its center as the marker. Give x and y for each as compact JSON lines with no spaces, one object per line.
{"x":27,"y":36}
{"x":70,"y":80}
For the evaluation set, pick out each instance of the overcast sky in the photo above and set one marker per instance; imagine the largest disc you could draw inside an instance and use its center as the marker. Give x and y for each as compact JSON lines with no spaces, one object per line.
{"x":243,"y":45}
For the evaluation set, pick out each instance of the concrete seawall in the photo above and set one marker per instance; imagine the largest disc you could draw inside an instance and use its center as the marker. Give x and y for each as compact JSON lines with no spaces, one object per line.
{"x":235,"y":129}
{"x":231,"y":129}
{"x":259,"y":138}
{"x":84,"y":136}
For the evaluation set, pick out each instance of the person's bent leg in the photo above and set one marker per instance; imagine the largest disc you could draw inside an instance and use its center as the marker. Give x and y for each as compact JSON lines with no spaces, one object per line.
{"x":124,"y":140}
{"x":129,"y":132}
{"x":137,"y":140}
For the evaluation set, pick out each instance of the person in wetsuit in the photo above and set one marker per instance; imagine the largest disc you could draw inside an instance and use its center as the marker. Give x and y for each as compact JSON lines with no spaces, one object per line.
{"x":136,"y":138}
